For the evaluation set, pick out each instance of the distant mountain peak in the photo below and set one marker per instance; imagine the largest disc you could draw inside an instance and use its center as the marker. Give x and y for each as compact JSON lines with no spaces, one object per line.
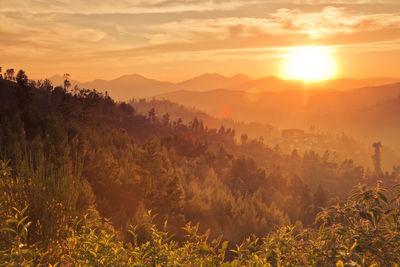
{"x":271,"y":78}
{"x":212,"y":74}
{"x":133,"y":76}
{"x":241,"y":76}
{"x":208,"y":76}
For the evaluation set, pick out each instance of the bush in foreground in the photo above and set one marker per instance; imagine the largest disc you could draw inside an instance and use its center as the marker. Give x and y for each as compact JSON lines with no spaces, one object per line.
{"x":362,"y":231}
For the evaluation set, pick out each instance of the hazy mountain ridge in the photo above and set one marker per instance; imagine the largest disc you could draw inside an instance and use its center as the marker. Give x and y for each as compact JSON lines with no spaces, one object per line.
{"x":213,"y":81}
{"x":274,"y":101}
{"x":349,"y":111}
{"x":187,"y":115}
{"x":381,"y":120}
{"x":311,"y":139}
{"x":311,"y":100}
{"x":131,"y":86}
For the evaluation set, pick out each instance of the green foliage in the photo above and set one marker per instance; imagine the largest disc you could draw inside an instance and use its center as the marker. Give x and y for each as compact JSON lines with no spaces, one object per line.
{"x":90,"y":246}
{"x":42,"y":174}
{"x":361,"y":231}
{"x":14,"y":248}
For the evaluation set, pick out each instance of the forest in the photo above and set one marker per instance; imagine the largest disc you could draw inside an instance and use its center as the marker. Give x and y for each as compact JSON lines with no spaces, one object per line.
{"x":89,"y":181}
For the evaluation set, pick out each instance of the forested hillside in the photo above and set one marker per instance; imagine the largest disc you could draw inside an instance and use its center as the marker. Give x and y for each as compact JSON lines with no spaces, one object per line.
{"x":83,"y":169}
{"x":177,"y":112}
{"x":366,"y":113}
{"x":340,"y":145}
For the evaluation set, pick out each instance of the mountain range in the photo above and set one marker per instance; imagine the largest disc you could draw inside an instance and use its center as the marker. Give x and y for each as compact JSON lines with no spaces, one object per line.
{"x":367,"y":108}
{"x":136,"y":86}
{"x":368,"y":112}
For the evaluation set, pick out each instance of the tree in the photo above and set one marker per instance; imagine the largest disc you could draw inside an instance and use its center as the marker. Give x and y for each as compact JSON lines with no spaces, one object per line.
{"x":152,"y":115}
{"x":221,"y":130}
{"x":1,"y":76}
{"x":23,"y":92}
{"x":320,"y":197}
{"x":126,"y":108}
{"x":46,"y":85}
{"x":376,"y":158}
{"x":195,"y":123}
{"x":9,"y":75}
{"x":22,"y":78}
{"x":67,"y":83}
{"x":244,"y":138}
{"x":165,"y":119}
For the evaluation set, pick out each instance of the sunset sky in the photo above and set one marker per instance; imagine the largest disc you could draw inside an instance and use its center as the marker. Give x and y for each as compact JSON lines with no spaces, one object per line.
{"x":174,"y":40}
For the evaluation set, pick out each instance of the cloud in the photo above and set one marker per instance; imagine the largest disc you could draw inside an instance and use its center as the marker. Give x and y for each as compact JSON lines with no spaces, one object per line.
{"x":333,"y":21}
{"x":43,"y":39}
{"x":48,"y":34}
{"x":157,"y":6}
{"x":76,"y":31}
{"x":119,"y":6}
{"x":330,"y":21}
{"x":247,"y":37}
{"x":390,"y":45}
{"x":46,"y":29}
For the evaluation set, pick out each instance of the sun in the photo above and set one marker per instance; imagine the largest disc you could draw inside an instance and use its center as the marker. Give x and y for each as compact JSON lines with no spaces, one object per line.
{"x":309,"y":63}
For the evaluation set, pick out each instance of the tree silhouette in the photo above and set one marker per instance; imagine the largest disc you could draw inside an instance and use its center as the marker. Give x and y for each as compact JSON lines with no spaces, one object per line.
{"x":165,"y":119}
{"x":152,"y":115}
{"x":67,"y":83}
{"x":46,"y":85}
{"x":244,"y":138}
{"x":9,"y":75}
{"x":320,"y":197}
{"x":23,"y":91}
{"x":221,"y":130}
{"x":22,"y":78}
{"x":376,"y":158}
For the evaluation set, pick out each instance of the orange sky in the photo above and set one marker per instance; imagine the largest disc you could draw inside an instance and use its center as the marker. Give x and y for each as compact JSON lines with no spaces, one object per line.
{"x":174,"y":40}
